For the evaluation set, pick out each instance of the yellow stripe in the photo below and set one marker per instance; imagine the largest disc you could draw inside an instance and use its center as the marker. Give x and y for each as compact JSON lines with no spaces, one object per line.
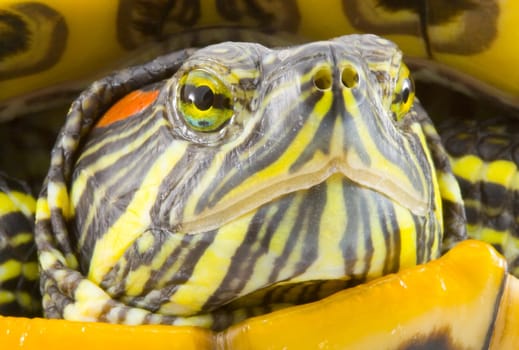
{"x":105,"y":161}
{"x":191,"y":295}
{"x":468,"y":167}
{"x":487,"y":234}
{"x":448,"y":187}
{"x":500,"y":172}
{"x":167,"y":249}
{"x":21,"y":238}
{"x":392,"y":180}
{"x":48,"y":258}
{"x":26,"y":300}
{"x":263,"y":266}
{"x":137,"y":279}
{"x":514,"y":185}
{"x":6,"y":205}
{"x":135,"y":220}
{"x":381,"y":248}
{"x":474,"y":169}
{"x":407,"y":236}
{"x":30,"y":271}
{"x":10,"y":269}
{"x":25,"y":202}
{"x":43,"y":210}
{"x":59,"y":198}
{"x":17,"y":201}
{"x":90,"y":301}
{"x":100,"y":193}
{"x":6,"y":296}
{"x":333,"y":221}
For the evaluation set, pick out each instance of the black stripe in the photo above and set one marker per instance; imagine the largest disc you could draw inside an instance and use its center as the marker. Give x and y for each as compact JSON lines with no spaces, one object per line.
{"x":473,"y":215}
{"x":310,"y":291}
{"x":14,"y":309}
{"x":131,"y":170}
{"x":495,"y":312}
{"x":357,"y":221}
{"x":242,"y":263}
{"x":20,"y":283}
{"x":391,"y":233}
{"x":8,"y":185}
{"x":493,"y":195}
{"x":187,"y":243}
{"x":292,"y":240}
{"x":141,"y":123}
{"x":322,"y":137}
{"x":313,"y":204}
{"x":191,"y":260}
{"x":176,"y":186}
{"x":368,"y":237}
{"x":379,"y":129}
{"x":58,"y":299}
{"x":454,"y":222}
{"x":245,"y":258}
{"x":497,"y":205}
{"x":423,"y":243}
{"x":14,"y":223}
{"x":190,"y":249}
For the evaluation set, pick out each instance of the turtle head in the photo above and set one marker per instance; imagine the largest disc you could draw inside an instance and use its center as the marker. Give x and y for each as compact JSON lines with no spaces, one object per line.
{"x":248,"y":168}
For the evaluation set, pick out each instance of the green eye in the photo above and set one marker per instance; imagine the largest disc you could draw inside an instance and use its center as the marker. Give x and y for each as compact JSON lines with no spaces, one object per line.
{"x":403,"y":97}
{"x":205,"y":101}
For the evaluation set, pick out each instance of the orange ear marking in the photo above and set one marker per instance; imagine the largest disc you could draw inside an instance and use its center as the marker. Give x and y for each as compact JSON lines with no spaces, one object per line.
{"x":129,"y":105}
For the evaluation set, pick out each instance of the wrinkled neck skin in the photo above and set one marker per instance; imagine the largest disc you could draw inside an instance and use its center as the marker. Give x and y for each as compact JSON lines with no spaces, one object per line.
{"x":311,"y":179}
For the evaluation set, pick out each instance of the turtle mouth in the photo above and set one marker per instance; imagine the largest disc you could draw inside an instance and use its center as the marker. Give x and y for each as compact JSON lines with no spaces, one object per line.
{"x":228,"y":209}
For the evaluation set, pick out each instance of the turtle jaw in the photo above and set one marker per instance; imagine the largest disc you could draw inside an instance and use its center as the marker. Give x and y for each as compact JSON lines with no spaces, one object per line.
{"x":228,"y":210}
{"x":335,"y":231}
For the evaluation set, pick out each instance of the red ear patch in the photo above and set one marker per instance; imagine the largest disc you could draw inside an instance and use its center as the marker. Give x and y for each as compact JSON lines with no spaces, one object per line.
{"x":129,"y":105}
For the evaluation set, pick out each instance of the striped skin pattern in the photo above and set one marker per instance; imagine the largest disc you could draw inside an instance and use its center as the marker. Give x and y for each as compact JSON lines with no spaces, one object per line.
{"x":19,"y":278}
{"x":485,"y":160}
{"x":312,"y":185}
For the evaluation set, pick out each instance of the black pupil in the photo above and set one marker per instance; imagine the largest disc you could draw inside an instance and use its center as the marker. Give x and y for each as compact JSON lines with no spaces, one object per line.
{"x":202,"y":97}
{"x":405,"y":91}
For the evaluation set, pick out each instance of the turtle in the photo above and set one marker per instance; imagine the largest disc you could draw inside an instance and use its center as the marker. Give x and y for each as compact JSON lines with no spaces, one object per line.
{"x":267,"y":143}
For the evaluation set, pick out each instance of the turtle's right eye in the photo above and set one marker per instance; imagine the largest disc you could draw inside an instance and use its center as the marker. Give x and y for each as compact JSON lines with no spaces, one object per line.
{"x":205,"y":102}
{"x":403,"y":96}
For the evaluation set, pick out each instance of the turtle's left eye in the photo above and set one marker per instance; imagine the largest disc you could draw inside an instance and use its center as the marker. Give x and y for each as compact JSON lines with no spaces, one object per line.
{"x":205,"y":102}
{"x":403,"y":96}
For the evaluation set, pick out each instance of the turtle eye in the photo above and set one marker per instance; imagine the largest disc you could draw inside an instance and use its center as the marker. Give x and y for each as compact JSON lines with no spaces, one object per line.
{"x":205,"y":101}
{"x":403,"y":96}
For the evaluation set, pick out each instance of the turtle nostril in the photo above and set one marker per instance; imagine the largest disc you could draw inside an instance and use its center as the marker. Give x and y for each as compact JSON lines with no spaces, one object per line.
{"x":349,"y":77}
{"x":323,"y":79}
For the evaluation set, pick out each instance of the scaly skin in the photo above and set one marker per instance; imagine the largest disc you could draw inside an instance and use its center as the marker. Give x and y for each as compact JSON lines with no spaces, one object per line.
{"x":510,"y":185}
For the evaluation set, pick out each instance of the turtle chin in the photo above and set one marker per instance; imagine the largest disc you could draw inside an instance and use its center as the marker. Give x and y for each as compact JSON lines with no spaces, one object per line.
{"x":325,"y":237}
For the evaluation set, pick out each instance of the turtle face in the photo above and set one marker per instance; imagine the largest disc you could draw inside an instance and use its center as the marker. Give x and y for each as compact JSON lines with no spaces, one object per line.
{"x":268,"y":123}
{"x":252,"y":168}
